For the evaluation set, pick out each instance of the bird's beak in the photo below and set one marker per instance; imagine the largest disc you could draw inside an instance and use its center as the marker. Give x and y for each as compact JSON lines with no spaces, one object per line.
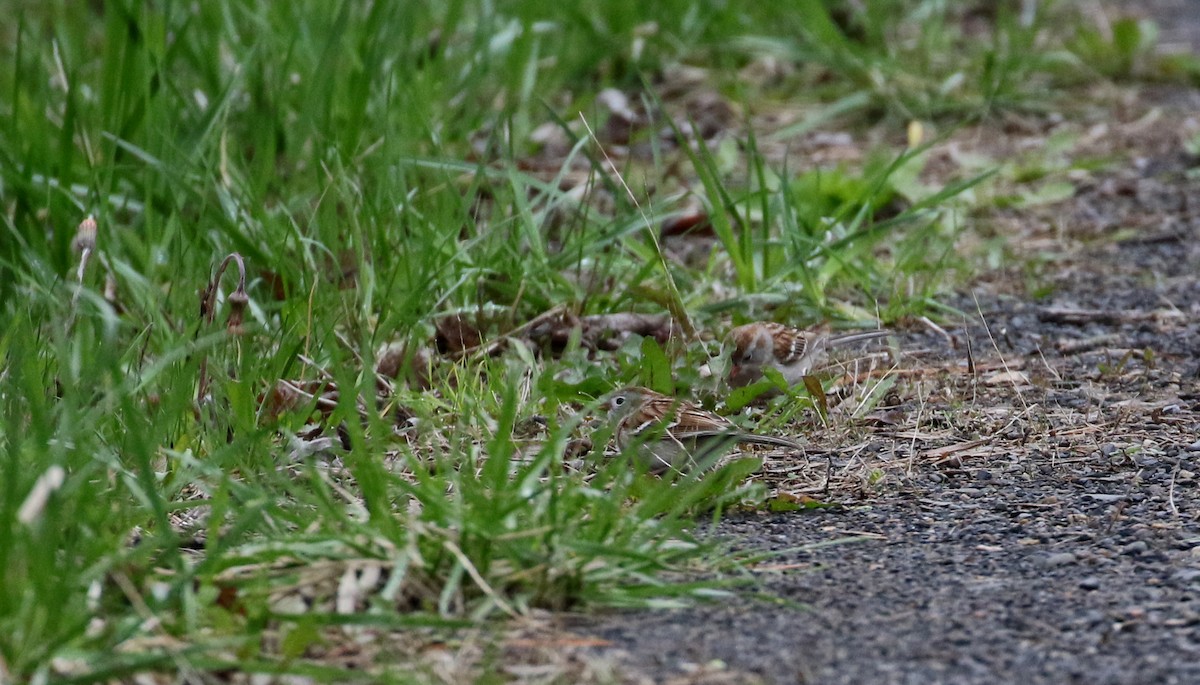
{"x":738,"y":376}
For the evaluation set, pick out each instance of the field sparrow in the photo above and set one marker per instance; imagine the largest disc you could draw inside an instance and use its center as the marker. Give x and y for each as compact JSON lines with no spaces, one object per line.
{"x":672,"y":434}
{"x":790,"y":351}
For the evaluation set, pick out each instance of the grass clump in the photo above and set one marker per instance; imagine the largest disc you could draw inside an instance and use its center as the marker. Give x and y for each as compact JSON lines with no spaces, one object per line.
{"x":326,"y":355}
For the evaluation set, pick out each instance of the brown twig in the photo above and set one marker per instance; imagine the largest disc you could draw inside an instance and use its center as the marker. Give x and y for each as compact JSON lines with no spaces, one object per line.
{"x":1102,"y":316}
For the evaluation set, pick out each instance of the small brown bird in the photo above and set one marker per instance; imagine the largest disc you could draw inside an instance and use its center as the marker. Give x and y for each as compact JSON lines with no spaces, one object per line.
{"x":672,"y":434}
{"x":790,"y":351}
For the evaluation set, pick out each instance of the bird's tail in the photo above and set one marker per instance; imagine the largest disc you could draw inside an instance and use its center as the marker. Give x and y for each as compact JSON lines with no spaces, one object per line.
{"x":772,"y":440}
{"x":849,"y":338}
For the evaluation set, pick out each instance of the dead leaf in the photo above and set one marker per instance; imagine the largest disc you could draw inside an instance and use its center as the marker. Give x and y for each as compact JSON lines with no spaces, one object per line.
{"x":608,"y":331}
{"x":1010,"y":377}
{"x":394,"y":362}
{"x":693,"y":222}
{"x":455,"y":334}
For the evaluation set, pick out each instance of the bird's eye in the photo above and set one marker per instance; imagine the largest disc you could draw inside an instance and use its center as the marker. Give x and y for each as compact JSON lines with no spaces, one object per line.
{"x":618,"y":400}
{"x":748,"y":356}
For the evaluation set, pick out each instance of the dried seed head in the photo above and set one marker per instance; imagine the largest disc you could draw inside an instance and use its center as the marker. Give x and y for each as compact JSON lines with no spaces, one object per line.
{"x":238,"y":300}
{"x":85,"y":235}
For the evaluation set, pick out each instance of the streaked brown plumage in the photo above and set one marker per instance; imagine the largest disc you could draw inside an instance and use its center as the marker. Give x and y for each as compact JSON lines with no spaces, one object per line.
{"x":791,"y":351}
{"x":673,"y":434}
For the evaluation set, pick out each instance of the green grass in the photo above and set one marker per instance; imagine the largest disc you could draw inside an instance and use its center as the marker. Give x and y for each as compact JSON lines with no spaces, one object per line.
{"x":365,"y":161}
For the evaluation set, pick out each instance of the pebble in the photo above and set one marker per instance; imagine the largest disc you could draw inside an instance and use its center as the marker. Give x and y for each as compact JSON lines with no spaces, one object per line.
{"x":1089,"y":583}
{"x":1136,"y":547}
{"x":1058,"y":559}
{"x":1186,"y":576}
{"x":1194,"y":447}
